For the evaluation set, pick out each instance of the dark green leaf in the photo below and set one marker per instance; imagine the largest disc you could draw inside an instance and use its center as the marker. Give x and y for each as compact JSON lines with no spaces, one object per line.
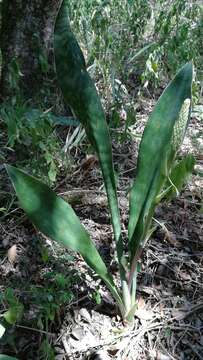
{"x":13,"y":314}
{"x":56,"y":219}
{"x":80,"y":93}
{"x":155,"y":155}
{"x":63,"y":120}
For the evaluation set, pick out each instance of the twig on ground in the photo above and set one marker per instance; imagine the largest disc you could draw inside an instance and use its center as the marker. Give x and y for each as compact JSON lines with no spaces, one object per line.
{"x":36,"y":330}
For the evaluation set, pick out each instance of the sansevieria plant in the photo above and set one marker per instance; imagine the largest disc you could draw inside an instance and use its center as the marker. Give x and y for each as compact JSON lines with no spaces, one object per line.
{"x":158,"y":175}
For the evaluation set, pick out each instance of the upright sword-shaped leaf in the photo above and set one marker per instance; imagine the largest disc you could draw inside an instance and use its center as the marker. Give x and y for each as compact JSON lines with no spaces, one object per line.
{"x":80,"y":93}
{"x":156,"y":153}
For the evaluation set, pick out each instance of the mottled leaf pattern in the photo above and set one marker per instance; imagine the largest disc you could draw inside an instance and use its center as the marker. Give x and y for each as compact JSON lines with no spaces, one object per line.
{"x":80,"y":93}
{"x":156,"y":153}
{"x":56,"y":219}
{"x":181,"y":125}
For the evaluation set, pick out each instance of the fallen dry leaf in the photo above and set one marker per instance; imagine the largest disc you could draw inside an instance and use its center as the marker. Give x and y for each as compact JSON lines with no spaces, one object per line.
{"x":184,"y":276}
{"x":12,"y":254}
{"x":89,"y":163}
{"x":142,"y":313}
{"x":141,"y":303}
{"x":171,"y":238}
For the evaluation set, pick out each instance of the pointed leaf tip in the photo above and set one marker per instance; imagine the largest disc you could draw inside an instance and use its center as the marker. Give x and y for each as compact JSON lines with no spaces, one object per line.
{"x":56,"y":219}
{"x":156,"y":152}
{"x":80,"y":93}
